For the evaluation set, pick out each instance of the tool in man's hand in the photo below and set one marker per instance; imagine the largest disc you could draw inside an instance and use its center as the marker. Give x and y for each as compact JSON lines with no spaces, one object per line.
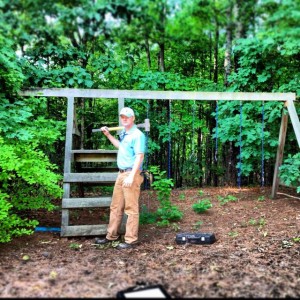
{"x":109,"y":128}
{"x":145,"y":125}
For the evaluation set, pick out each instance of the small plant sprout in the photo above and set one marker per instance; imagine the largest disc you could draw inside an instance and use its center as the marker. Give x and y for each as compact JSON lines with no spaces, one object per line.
{"x":200,"y":193}
{"x":182,"y":196}
{"x":252,"y":222}
{"x":175,"y":226}
{"x":261,"y":198}
{"x":226,"y":199}
{"x":75,"y":246}
{"x":260,"y":222}
{"x":233,"y":234}
{"x":296,"y":239}
{"x":197,"y":225}
{"x":202,"y":206}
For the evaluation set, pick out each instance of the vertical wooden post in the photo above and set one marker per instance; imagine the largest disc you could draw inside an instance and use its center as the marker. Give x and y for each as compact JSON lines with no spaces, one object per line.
{"x":279,"y":155}
{"x":120,"y":106}
{"x":68,"y":160}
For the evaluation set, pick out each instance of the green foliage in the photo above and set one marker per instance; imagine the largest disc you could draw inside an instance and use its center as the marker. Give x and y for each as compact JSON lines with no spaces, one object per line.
{"x":182,"y":196}
{"x":11,"y":77}
{"x":289,"y":171}
{"x":233,"y":234}
{"x":147,"y":217}
{"x":202,"y":205}
{"x":28,"y":183}
{"x":224,"y":200}
{"x":254,"y":131}
{"x":166,"y":212}
{"x":257,"y":222}
{"x":197,"y":225}
{"x":75,"y":246}
{"x":161,"y":184}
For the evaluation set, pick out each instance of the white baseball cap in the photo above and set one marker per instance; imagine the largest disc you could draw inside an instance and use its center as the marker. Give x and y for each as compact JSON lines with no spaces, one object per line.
{"x":127,"y":111}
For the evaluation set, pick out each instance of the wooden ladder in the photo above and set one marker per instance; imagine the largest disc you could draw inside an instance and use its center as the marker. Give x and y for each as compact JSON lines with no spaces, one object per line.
{"x":72,"y":176}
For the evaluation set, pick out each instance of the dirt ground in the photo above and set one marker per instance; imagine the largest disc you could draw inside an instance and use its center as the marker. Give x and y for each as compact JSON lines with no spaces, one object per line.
{"x":256,"y":253}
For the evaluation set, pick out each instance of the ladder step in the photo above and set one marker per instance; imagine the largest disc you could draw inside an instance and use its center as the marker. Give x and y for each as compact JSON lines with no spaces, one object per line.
{"x":83,"y":230}
{"x":95,"y":155}
{"x":93,"y":151}
{"x":90,"y":177}
{"x":97,"y":169}
{"x":86,"y":202}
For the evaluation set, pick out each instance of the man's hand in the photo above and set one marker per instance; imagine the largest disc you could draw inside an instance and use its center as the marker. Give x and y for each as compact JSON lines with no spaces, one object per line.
{"x":105,"y":130}
{"x":128,"y":181}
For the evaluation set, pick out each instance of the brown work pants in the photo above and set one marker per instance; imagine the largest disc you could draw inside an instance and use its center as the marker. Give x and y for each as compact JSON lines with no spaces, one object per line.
{"x":125,"y":199}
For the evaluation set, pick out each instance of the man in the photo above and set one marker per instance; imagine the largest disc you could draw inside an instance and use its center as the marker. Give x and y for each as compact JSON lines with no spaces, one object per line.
{"x":125,"y":198}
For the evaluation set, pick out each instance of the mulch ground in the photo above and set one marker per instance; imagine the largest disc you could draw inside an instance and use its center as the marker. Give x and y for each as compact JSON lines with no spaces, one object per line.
{"x":256,"y":253}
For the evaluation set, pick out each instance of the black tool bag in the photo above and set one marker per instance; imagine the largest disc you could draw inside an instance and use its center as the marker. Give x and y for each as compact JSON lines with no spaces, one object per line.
{"x":195,"y":238}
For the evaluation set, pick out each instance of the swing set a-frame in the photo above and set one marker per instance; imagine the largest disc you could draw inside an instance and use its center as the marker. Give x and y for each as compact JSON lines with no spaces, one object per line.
{"x":72,"y":156}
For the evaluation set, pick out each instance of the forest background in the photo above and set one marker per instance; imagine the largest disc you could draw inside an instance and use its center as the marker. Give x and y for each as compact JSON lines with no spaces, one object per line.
{"x":196,"y":45}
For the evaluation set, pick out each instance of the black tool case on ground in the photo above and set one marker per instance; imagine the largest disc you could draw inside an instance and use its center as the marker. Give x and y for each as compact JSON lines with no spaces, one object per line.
{"x":195,"y":238}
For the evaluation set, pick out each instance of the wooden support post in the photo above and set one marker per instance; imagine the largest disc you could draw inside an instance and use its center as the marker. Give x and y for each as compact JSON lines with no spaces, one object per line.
{"x":120,"y":106}
{"x":279,"y":156}
{"x":294,"y":119}
{"x":68,"y":159}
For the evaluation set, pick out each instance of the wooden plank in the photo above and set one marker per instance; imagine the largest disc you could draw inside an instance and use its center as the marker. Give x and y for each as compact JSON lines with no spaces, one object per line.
{"x":98,"y":169}
{"x":86,"y":202}
{"x":294,"y":119}
{"x":83,"y":230}
{"x":65,"y":217}
{"x":279,"y":156}
{"x":91,"y":151}
{"x":158,"y":95}
{"x":69,"y":136}
{"x":95,"y":157}
{"x":90,"y":177}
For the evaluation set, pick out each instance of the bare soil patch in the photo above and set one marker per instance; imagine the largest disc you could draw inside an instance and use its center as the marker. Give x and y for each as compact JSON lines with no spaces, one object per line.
{"x":256,"y":253}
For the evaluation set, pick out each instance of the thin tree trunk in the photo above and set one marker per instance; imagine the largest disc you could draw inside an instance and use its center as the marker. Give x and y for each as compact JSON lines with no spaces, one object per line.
{"x":148,"y":53}
{"x":199,"y":146}
{"x":227,"y":60}
{"x":161,"y":42}
{"x":216,"y":50}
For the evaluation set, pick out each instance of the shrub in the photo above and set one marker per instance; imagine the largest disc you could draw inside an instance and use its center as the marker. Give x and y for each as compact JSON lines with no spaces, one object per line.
{"x":166,"y":212}
{"x":202,"y":205}
{"x":289,"y":172}
{"x":28,"y":182}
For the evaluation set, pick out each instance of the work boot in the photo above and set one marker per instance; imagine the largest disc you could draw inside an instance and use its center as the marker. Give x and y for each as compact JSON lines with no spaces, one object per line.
{"x":122,"y":246}
{"x":104,"y":241}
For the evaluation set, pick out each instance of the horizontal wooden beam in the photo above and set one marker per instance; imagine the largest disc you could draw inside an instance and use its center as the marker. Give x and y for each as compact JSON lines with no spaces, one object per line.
{"x":90,"y":177}
{"x":94,"y":157}
{"x":86,"y":202}
{"x":158,"y":95}
{"x":83,"y":230}
{"x":92,"y":151}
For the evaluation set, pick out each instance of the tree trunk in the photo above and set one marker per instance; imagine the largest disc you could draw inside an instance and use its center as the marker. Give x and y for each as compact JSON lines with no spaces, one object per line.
{"x":161,"y":43}
{"x":227,"y":60}
{"x":148,"y":53}
{"x":216,"y":50}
